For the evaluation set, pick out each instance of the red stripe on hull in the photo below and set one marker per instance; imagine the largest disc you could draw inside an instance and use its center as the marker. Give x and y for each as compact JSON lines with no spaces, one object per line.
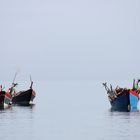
{"x":134,"y":93}
{"x":8,"y":95}
{"x":33,"y":93}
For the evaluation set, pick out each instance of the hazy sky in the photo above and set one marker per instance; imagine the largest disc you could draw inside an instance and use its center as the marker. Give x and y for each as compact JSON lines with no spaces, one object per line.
{"x":70,"y":40}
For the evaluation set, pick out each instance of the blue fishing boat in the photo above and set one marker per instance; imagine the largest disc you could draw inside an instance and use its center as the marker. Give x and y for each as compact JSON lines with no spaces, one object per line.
{"x":122,"y":99}
{"x":125,"y":102}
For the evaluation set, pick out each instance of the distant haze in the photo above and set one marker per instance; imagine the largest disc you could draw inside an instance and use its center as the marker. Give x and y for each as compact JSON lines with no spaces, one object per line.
{"x":70,"y":40}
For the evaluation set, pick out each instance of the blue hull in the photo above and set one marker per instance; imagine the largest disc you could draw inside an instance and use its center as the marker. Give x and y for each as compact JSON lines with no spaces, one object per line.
{"x":125,"y":102}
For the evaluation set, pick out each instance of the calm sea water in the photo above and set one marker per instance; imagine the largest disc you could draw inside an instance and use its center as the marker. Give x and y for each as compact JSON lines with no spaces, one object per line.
{"x":69,"y":111}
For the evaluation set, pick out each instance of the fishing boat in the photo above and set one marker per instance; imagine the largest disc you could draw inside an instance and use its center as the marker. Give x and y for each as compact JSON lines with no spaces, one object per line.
{"x":5,"y":100}
{"x":24,"y":98}
{"x":122,"y":99}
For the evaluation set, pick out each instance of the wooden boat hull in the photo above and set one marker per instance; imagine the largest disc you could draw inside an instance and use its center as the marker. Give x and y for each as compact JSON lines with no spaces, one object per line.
{"x":5,"y":100}
{"x":125,"y":102}
{"x":24,"y":98}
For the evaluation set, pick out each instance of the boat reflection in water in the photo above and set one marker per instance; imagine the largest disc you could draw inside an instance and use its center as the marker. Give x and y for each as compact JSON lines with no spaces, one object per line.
{"x":124,"y":110}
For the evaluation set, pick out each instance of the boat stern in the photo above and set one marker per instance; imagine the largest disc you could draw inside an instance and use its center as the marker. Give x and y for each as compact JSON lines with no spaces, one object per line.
{"x":134,"y":99}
